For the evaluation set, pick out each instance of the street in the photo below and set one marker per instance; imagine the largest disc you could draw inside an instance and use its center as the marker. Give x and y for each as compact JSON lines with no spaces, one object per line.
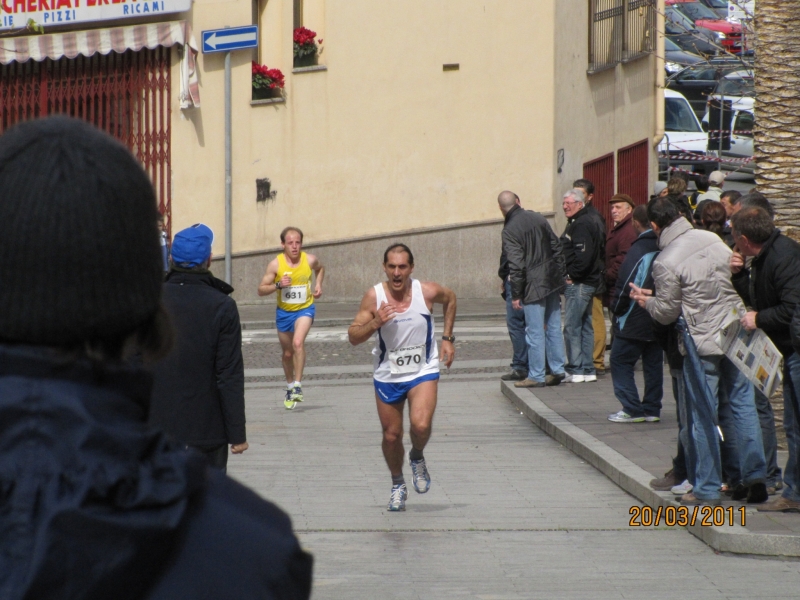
{"x":511,"y":514}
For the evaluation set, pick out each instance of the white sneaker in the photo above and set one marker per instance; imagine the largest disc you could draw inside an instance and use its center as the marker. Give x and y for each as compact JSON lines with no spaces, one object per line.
{"x":682,"y":488}
{"x":574,"y":378}
{"x":589,"y":378}
{"x":623,"y":417}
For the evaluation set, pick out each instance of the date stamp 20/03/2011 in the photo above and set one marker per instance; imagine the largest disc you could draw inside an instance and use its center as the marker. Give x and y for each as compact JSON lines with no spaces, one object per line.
{"x":683,"y":516}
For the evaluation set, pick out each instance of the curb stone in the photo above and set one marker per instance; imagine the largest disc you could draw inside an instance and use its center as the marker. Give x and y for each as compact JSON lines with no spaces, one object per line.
{"x":636,"y":481}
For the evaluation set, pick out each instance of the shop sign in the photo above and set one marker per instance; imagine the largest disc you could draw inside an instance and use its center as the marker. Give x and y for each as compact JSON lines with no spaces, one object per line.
{"x":16,"y":13}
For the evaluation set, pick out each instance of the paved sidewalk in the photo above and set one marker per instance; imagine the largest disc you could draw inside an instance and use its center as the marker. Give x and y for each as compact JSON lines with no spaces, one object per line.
{"x":633,"y":453}
{"x":262,"y":316}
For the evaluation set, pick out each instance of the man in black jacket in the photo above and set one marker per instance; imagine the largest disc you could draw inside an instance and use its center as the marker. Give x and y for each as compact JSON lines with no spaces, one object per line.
{"x":582,"y":241}
{"x":634,"y":336}
{"x":771,"y":291}
{"x":536,"y":276}
{"x":598,"y":319}
{"x":198,"y":391}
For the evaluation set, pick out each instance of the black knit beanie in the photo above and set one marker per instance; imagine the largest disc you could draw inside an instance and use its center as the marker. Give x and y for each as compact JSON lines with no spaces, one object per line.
{"x":79,"y":249}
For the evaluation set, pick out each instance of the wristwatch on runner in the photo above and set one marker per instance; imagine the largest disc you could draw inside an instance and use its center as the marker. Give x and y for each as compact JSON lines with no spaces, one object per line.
{"x":448,"y":338}
{"x":278,"y":285}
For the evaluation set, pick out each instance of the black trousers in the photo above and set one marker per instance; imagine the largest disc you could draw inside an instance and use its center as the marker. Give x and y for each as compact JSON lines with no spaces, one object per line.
{"x":217,"y":456}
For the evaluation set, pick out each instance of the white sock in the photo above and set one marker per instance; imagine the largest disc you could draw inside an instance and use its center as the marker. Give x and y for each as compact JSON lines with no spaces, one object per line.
{"x":296,"y":384}
{"x":289,"y":386}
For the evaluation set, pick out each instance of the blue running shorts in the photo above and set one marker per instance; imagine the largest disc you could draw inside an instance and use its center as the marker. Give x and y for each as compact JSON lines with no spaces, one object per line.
{"x":285,"y":318}
{"x":390,"y":393}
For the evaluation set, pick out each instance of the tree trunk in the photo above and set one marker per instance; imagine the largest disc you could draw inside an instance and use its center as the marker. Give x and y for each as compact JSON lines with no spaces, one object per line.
{"x":777,"y":133}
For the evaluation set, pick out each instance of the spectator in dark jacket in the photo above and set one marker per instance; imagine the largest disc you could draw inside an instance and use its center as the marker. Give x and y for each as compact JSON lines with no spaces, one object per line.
{"x":771,"y":291}
{"x":95,"y":503}
{"x":198,"y":390}
{"x":515,"y":320}
{"x":582,"y":242}
{"x":536,"y":276}
{"x":634,"y":337}
{"x":619,"y":239}
{"x":598,"y":318}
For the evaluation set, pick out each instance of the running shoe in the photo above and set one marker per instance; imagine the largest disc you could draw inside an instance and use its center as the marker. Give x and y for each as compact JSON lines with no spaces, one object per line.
{"x":590,"y":378}
{"x":397,"y":501}
{"x":420,"y":475}
{"x":651,"y":419}
{"x":289,"y":401}
{"x":570,"y":378}
{"x":297,"y":394}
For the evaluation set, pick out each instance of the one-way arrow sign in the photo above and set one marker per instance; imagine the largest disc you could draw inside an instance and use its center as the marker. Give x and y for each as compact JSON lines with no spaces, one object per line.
{"x":234,"y":38}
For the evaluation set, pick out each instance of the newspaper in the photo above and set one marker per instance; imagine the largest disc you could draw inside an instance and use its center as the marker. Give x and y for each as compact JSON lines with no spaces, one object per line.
{"x":753,"y":353}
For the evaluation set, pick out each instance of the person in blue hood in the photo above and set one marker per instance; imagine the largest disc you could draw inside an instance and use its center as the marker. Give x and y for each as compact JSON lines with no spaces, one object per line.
{"x":94,"y":503}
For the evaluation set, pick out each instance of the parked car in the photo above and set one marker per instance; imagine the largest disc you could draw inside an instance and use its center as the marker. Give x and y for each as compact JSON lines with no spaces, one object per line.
{"x":691,"y":41}
{"x":685,"y":144}
{"x":675,"y":58}
{"x":729,"y":35}
{"x":697,"y":81}
{"x":720,"y":7}
{"x":677,"y":21}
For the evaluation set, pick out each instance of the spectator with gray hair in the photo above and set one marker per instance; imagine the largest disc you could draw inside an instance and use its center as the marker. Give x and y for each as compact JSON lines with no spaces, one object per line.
{"x":753,"y":200}
{"x":582,"y":241}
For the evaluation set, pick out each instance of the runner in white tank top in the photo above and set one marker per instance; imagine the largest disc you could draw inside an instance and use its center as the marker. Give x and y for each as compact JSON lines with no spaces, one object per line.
{"x":405,"y":348}
{"x":398,"y":314}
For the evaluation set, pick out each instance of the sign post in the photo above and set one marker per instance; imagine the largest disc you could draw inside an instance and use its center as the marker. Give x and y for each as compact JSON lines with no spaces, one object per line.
{"x":226,"y":40}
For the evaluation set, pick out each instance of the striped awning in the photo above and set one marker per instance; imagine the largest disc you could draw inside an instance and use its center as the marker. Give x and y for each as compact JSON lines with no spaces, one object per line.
{"x":116,"y":39}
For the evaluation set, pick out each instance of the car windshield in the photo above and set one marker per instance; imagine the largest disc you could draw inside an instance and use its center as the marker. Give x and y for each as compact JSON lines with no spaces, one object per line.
{"x":717,"y":4}
{"x":670,"y":46}
{"x":679,"y":116}
{"x":696,"y":11}
{"x":745,"y":86}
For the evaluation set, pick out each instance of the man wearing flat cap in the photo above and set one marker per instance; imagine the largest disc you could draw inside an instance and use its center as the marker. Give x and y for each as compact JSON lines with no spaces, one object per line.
{"x":198,"y":392}
{"x":619,"y":239}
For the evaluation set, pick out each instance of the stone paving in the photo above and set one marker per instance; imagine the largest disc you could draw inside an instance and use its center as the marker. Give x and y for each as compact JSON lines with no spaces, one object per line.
{"x":511,"y":513}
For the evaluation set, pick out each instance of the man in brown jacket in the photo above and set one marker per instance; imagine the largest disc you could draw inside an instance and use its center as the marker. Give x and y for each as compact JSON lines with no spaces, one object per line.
{"x":619,"y":239}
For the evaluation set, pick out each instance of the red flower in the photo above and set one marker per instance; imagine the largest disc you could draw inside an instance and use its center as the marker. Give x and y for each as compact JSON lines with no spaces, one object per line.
{"x":264,"y":77}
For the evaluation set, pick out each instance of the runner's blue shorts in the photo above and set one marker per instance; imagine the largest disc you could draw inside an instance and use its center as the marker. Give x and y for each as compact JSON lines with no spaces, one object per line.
{"x":390,"y":393}
{"x":285,"y":318}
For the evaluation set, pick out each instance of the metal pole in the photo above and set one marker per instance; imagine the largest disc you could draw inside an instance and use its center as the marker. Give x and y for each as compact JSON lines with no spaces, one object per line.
{"x":228,"y":194}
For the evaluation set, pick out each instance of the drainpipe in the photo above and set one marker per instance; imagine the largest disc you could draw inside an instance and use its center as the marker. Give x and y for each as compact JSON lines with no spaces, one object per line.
{"x":660,"y":72}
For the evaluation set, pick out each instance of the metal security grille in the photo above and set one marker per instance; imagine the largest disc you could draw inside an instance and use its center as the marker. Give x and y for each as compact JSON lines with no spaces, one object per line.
{"x":620,"y":31}
{"x":600,"y":172}
{"x":633,"y":175}
{"x":126,"y":95}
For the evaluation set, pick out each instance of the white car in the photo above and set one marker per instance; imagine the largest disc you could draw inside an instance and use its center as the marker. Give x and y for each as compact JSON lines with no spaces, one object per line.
{"x":685,"y":143}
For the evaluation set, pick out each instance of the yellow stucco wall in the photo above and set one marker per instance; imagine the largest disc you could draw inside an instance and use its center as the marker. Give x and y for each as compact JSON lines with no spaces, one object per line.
{"x":384,"y":140}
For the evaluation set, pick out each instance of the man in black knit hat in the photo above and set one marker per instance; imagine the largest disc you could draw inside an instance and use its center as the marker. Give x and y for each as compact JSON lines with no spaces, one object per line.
{"x":95,"y":503}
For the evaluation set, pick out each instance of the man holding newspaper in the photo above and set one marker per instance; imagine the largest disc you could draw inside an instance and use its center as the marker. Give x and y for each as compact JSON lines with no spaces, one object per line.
{"x":771,"y":290}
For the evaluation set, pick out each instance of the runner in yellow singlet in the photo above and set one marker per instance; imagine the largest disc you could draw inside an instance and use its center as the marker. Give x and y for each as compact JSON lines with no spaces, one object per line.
{"x":290,"y":274}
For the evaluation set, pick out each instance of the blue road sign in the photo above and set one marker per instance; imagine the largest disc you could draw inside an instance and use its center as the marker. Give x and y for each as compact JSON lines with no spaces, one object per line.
{"x":233,"y":38}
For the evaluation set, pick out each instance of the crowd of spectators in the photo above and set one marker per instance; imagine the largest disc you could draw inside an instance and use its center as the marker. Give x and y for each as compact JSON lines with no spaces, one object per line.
{"x":672,"y":274}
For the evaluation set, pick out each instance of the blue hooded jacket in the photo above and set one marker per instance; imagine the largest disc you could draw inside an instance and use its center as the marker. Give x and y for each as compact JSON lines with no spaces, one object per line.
{"x":630,"y":320}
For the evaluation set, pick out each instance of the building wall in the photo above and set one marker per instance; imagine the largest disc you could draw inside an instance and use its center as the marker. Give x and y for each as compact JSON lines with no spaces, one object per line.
{"x":600,"y":113}
{"x":382,"y":141}
{"x":382,"y":144}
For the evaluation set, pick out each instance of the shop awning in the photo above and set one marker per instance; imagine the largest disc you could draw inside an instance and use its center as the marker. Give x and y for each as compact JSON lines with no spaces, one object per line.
{"x":116,"y":39}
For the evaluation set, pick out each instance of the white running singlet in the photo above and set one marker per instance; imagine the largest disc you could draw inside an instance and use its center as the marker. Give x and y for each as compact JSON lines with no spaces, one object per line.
{"x":405,"y":348}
